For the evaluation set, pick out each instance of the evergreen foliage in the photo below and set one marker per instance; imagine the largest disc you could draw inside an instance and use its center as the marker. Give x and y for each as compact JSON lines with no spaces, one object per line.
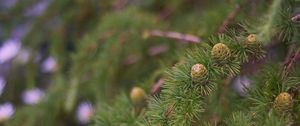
{"x":158,"y":63}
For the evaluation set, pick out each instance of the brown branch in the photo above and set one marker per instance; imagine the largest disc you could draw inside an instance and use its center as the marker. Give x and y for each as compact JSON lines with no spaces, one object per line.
{"x":157,"y":86}
{"x":157,"y":50}
{"x":290,"y":52}
{"x":131,"y":59}
{"x":119,"y":4}
{"x":165,"y":13}
{"x":172,"y":35}
{"x":291,"y":57}
{"x":152,"y":51}
{"x":296,"y":18}
{"x":231,"y":17}
{"x":288,"y":65}
{"x":253,"y":7}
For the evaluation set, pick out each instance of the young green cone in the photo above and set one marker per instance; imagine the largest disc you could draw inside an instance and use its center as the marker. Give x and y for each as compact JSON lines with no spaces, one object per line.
{"x":199,"y":74}
{"x":254,"y":47}
{"x":220,"y":53}
{"x":283,"y":102}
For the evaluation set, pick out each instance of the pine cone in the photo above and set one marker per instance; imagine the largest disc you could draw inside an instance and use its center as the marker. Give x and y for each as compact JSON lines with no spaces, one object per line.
{"x":283,"y":102}
{"x":137,"y":95}
{"x":220,"y":52}
{"x":199,"y":73}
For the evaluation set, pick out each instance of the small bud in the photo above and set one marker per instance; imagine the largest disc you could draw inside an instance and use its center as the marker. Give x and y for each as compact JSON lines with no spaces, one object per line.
{"x":199,"y":73}
{"x":220,"y":52}
{"x":137,"y":95}
{"x":252,"y":38}
{"x":283,"y":102}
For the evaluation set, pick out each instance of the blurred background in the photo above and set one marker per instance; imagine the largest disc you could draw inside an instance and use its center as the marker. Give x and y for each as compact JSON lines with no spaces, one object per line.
{"x":62,"y":61}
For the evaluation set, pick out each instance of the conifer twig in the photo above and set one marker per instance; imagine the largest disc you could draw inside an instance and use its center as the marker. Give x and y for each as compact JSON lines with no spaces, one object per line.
{"x":172,"y":35}
{"x":231,"y":17}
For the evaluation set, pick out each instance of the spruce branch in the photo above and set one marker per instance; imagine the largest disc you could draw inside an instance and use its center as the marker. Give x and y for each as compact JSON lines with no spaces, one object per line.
{"x":272,"y":93}
{"x":191,"y":92}
{"x":185,"y":91}
{"x":172,"y":35}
